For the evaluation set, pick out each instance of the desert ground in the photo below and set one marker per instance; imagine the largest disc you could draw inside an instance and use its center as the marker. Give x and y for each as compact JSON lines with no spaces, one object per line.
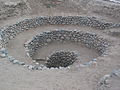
{"x":101,"y":75}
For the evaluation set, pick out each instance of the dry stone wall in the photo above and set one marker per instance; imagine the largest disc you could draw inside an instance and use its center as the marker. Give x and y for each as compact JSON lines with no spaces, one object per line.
{"x":9,"y":32}
{"x":88,"y":39}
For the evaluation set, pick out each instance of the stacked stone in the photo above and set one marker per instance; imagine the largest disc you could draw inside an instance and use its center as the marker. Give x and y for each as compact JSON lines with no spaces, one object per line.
{"x":88,"y":39}
{"x":77,"y":20}
{"x":11,"y":31}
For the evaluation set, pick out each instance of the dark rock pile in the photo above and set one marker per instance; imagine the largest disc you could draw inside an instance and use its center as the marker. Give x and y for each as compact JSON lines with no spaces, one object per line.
{"x":61,"y":59}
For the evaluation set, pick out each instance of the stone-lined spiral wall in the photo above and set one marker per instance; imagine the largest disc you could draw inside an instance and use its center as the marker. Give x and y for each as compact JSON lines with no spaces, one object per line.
{"x":88,"y":39}
{"x":9,"y":32}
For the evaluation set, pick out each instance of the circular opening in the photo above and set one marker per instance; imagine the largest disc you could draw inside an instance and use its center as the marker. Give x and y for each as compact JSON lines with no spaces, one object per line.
{"x":61,"y":59}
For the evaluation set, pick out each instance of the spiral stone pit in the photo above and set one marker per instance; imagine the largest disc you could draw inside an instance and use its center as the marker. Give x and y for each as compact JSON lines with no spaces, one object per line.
{"x":89,"y":40}
{"x":59,"y":45}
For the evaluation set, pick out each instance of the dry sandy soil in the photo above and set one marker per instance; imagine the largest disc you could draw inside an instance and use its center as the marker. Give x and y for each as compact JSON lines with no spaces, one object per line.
{"x":14,"y":77}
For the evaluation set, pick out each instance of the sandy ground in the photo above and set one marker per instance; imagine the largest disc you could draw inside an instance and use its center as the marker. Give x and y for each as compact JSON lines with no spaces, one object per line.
{"x":14,"y":77}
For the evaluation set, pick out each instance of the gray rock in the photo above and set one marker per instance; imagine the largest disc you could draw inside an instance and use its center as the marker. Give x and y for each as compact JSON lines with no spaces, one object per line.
{"x":21,"y":63}
{"x":116,"y":73}
{"x":30,"y":67}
